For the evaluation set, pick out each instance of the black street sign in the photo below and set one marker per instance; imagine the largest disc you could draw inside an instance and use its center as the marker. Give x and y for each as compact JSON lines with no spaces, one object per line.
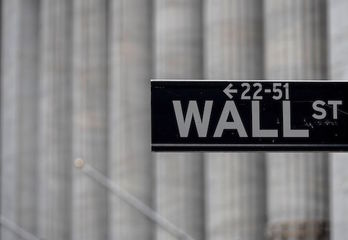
{"x":192,"y":115}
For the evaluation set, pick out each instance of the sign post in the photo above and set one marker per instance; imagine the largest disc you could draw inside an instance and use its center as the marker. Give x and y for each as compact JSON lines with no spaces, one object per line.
{"x":193,"y":115}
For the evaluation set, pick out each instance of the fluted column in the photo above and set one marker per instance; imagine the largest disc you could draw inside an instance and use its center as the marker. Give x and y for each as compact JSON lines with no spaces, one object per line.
{"x":90,"y":86}
{"x":339,"y":195}
{"x":178,"y":54}
{"x":338,"y":71}
{"x":235,"y":182}
{"x":297,"y":182}
{"x":338,"y":44}
{"x":55,"y":121}
{"x":130,"y":160}
{"x":19,"y":114}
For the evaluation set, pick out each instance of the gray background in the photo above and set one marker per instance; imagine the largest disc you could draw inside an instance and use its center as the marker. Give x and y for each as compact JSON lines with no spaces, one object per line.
{"x":75,"y":78}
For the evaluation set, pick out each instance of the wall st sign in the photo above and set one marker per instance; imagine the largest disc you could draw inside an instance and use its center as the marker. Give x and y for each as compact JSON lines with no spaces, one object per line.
{"x":192,"y":115}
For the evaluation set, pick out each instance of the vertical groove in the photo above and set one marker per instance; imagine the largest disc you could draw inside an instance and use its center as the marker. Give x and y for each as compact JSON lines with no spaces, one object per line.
{"x":130,"y":163}
{"x":89,"y":206}
{"x":55,"y":121}
{"x":19,"y":116}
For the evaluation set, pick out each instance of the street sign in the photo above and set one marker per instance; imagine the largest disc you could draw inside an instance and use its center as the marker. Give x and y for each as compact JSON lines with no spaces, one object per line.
{"x":193,"y":115}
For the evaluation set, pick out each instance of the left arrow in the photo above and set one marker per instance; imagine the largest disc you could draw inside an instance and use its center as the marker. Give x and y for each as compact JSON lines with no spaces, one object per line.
{"x":229,"y":90}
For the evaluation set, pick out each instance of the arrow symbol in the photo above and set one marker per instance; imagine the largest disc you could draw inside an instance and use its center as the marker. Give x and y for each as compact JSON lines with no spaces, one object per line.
{"x":229,"y":90}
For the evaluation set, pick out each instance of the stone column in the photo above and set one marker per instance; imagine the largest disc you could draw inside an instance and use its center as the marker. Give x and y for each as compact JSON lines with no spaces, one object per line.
{"x":296,"y":41}
{"x":55,"y":121}
{"x":235,"y":182}
{"x":130,"y":160}
{"x":19,"y":115}
{"x":178,"y":54}
{"x":338,"y":71}
{"x":90,"y":88}
{"x":339,"y":195}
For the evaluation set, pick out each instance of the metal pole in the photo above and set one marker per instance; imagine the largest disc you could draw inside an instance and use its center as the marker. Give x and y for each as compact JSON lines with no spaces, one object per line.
{"x":13,"y":227}
{"x":131,"y":200}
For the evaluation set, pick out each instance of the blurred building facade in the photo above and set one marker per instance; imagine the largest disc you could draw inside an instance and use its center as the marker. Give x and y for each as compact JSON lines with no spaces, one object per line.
{"x":75,"y":83}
